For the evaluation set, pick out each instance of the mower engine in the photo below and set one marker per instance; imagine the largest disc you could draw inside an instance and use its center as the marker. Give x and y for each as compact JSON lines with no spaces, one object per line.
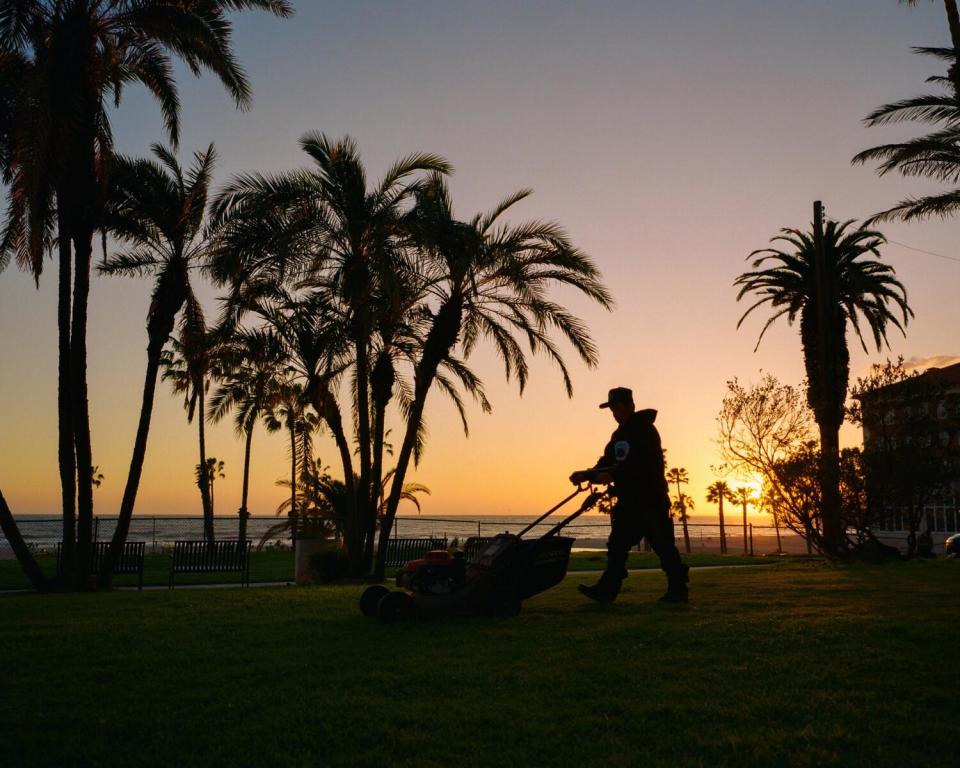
{"x":438,"y":573}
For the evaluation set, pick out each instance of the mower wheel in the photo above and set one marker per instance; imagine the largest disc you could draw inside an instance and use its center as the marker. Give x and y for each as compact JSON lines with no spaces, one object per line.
{"x":370,"y":598}
{"x":396,"y":606}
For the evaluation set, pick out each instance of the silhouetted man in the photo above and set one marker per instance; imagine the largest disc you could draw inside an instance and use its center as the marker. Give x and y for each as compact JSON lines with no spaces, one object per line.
{"x":633,"y":462}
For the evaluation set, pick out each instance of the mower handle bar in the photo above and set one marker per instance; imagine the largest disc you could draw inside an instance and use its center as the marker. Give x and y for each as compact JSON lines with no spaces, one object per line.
{"x":587,"y":504}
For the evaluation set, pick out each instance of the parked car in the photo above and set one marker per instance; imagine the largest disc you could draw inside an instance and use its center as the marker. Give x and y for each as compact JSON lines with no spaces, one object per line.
{"x":952,"y":545}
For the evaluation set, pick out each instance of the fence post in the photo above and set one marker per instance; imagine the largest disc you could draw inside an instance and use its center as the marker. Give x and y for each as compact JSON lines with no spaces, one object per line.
{"x":478,"y":529}
{"x":154,"y":534}
{"x":751,"y":539}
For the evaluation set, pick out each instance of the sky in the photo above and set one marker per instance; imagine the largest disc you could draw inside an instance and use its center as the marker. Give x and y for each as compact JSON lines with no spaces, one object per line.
{"x":669,"y":139}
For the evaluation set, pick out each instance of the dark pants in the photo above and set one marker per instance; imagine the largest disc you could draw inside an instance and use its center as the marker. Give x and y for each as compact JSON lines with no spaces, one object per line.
{"x":629,"y":524}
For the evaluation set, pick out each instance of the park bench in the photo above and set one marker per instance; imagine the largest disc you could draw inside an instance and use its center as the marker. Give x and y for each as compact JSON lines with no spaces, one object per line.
{"x":402,"y":550}
{"x":129,"y":562}
{"x":225,"y":556}
{"x":474,"y":545}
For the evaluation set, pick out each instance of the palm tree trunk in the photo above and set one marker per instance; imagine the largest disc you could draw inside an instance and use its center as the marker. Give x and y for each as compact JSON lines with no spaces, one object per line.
{"x":244,"y":514}
{"x":83,"y":249}
{"x":723,"y":533}
{"x":23,"y":554}
{"x":953,"y":21}
{"x":325,"y":405}
{"x":127,"y":503}
{"x":686,"y":533}
{"x":203,"y":477}
{"x":440,"y":340}
{"x":745,"y":528}
{"x":362,"y":502}
{"x":292,"y":516}
{"x":382,"y":381}
{"x":66,"y":456}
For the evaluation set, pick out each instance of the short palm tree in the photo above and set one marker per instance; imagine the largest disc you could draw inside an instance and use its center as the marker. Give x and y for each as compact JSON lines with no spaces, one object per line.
{"x":156,"y":212}
{"x":253,"y":363}
{"x":717,"y":494}
{"x":207,"y":474}
{"x":289,"y":410}
{"x":744,"y":496}
{"x":857,"y":291}
{"x":189,"y":364}
{"x":678,"y":476}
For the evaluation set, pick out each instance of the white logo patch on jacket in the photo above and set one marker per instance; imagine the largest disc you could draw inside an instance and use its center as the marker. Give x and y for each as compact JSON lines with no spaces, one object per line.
{"x":621,"y":449}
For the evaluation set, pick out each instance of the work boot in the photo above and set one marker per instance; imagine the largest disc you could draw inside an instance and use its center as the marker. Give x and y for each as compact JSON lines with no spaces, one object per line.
{"x":603,"y":592}
{"x":677,"y":591}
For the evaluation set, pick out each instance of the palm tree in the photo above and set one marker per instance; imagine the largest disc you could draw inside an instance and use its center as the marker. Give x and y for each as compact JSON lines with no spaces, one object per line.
{"x":81,"y":54}
{"x":936,"y":155}
{"x":156,"y":211}
{"x":682,"y":507}
{"x":856,"y":289}
{"x":717,"y":494}
{"x":678,"y":476}
{"x":253,"y":364}
{"x":189,"y":365}
{"x":207,"y":474}
{"x":488,"y":280}
{"x":289,"y":410}
{"x":347,"y":240}
{"x":744,"y":496}
{"x":32,"y":216}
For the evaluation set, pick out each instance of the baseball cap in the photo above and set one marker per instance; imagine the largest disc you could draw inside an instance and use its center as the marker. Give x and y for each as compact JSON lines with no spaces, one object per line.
{"x":618,"y":395}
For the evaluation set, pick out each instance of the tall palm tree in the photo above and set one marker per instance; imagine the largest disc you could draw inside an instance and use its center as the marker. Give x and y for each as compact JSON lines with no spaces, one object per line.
{"x":855,"y":290}
{"x":935,"y":155}
{"x":253,"y":364}
{"x":82,"y":53}
{"x":489,"y":280}
{"x":156,"y":213}
{"x":27,"y":171}
{"x":678,"y":476}
{"x":744,"y":496}
{"x":189,"y":364}
{"x":717,"y":494}
{"x":953,"y":19}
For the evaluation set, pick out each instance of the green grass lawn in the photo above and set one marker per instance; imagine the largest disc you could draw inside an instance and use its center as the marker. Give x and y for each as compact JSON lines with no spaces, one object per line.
{"x":277,"y":565}
{"x":798,"y":664}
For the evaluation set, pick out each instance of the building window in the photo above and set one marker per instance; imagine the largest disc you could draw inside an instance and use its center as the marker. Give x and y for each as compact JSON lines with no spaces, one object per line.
{"x":942,"y":410}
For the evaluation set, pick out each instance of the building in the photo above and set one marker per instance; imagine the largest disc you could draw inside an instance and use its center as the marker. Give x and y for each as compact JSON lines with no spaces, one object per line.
{"x":916,"y":422}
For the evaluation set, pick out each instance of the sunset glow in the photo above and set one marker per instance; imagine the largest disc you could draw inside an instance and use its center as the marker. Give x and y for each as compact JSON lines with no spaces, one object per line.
{"x":668,"y":145}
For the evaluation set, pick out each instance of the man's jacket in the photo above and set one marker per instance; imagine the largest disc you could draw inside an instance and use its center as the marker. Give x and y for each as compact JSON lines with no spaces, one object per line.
{"x":635,"y":459}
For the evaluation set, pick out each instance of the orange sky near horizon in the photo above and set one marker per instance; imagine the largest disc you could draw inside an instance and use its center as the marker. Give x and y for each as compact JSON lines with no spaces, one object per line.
{"x":670,"y":142}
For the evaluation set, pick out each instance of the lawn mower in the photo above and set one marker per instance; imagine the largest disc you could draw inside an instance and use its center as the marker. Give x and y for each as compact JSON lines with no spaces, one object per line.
{"x":505,"y":571}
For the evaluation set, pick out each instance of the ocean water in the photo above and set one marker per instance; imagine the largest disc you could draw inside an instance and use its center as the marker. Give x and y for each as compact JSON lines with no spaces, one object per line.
{"x":161,"y":531}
